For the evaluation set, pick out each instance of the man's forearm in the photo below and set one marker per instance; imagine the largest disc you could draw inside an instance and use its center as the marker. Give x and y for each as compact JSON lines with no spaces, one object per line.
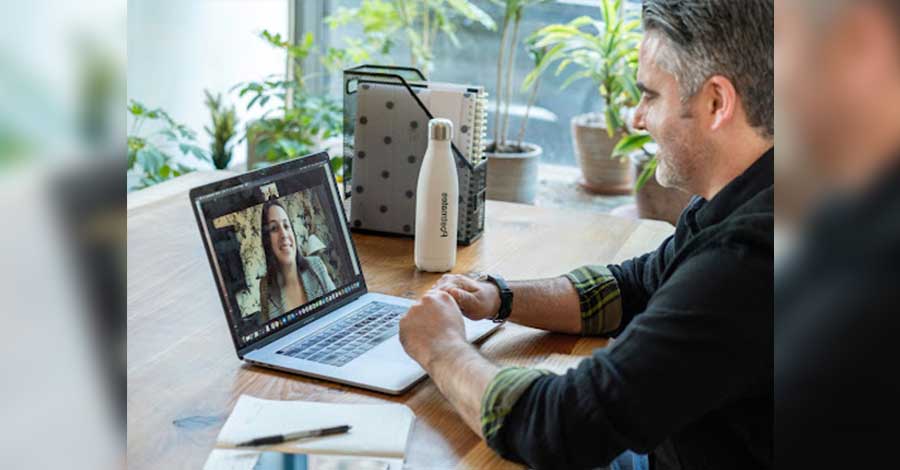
{"x":548,"y":304}
{"x":462,"y":375}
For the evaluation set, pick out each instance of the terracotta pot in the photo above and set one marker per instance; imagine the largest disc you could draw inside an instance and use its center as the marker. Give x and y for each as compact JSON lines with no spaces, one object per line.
{"x":593,"y":147}
{"x":513,"y":177}
{"x":653,"y":200}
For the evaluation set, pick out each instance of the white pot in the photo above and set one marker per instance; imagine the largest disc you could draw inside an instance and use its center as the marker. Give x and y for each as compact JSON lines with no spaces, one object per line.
{"x":513,"y":177}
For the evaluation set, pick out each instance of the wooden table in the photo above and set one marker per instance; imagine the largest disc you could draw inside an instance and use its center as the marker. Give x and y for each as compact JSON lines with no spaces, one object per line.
{"x":183,"y":374}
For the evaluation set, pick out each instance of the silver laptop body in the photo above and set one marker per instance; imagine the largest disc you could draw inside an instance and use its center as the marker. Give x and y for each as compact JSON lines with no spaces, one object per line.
{"x":347,"y":334}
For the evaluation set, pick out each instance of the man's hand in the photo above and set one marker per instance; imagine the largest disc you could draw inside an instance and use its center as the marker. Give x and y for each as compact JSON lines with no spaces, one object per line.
{"x":432,"y":326}
{"x":478,"y":300}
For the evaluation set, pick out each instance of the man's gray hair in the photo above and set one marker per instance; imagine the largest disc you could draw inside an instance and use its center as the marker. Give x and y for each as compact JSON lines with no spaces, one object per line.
{"x":732,"y":38}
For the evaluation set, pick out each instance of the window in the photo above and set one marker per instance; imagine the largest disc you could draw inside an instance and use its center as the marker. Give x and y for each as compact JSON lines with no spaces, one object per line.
{"x":474,"y":61}
{"x":176,"y":49}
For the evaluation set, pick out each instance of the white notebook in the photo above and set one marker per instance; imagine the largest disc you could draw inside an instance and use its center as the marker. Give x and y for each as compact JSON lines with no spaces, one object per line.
{"x":376,"y":430}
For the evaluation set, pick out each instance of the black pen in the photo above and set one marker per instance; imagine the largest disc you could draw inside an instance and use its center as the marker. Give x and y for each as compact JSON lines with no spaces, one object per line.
{"x":279,"y":438}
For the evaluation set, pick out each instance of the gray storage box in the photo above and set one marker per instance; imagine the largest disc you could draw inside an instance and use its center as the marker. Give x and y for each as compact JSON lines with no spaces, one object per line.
{"x":385,"y":137}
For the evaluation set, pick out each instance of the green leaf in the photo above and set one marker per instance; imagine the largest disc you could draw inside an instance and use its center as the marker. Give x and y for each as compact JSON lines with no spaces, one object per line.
{"x":648,"y":172}
{"x":631,"y":143}
{"x":136,"y":108}
{"x":337,"y":165}
{"x":472,"y":12}
{"x":151,"y":160}
{"x":549,"y":58}
{"x":574,"y":77}
{"x":135,"y":143}
{"x":611,"y":121}
{"x":190,"y":149}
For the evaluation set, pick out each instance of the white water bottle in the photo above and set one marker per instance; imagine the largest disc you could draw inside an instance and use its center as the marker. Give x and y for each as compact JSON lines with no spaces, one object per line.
{"x":437,"y":201}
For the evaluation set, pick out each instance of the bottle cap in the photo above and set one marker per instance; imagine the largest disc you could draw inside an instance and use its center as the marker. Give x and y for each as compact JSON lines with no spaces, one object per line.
{"x":440,"y":129}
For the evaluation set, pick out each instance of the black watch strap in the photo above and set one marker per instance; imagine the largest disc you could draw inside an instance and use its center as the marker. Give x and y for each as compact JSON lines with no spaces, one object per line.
{"x":506,"y":297}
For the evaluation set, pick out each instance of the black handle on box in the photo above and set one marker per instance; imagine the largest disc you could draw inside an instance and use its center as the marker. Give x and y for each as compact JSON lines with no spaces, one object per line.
{"x":362,"y":69}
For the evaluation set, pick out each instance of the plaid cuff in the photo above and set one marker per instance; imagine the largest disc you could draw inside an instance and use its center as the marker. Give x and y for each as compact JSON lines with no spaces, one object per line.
{"x":501,"y":395}
{"x":601,"y":302}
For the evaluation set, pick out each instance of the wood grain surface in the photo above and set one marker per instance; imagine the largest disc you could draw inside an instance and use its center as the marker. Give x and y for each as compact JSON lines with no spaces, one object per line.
{"x":184,"y":376}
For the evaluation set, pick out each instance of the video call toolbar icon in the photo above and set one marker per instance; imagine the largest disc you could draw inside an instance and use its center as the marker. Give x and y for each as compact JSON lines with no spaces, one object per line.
{"x":302,"y":311}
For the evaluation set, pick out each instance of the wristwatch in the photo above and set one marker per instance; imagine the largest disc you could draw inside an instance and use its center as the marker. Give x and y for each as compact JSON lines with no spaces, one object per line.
{"x":506,"y":296}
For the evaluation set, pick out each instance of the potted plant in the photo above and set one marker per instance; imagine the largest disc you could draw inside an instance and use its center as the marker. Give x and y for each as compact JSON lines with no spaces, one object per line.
{"x":150,"y":154}
{"x":606,"y":52}
{"x":419,"y":23}
{"x":513,"y":165}
{"x":301,"y":121}
{"x":224,"y":128}
{"x":652,"y":199}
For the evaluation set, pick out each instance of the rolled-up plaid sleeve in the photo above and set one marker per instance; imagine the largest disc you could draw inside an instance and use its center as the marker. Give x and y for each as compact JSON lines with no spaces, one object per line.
{"x":599,"y":298}
{"x":501,"y":394}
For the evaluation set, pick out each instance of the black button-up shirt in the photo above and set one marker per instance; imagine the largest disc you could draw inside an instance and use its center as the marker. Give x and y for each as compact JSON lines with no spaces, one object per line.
{"x":689,"y":377}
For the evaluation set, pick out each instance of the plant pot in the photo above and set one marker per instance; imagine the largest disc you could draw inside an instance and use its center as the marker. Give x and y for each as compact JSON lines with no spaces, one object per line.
{"x":655,"y":201}
{"x":513,"y":177}
{"x":593,"y":147}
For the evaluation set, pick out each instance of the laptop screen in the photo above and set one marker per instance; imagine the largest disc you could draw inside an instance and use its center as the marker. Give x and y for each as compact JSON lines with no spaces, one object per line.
{"x":279,"y":247}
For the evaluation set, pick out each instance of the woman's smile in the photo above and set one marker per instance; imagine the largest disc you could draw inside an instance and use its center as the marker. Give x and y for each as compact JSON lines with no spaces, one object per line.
{"x":281,"y":234}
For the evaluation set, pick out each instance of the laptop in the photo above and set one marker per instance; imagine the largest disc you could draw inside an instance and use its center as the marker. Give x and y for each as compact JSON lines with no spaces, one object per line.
{"x":291,"y":284}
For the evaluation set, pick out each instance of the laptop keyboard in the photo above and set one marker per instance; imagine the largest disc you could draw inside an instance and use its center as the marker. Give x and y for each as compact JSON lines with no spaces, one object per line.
{"x":348,"y":338}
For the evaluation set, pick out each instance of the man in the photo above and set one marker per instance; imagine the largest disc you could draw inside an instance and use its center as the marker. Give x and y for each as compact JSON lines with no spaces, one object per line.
{"x":836,"y":301}
{"x":689,"y":377}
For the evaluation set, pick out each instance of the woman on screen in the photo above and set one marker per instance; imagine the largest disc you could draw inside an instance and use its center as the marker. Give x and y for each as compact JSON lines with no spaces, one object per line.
{"x":291,"y":279}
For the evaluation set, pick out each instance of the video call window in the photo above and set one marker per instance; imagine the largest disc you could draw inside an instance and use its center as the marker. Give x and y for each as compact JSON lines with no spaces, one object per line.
{"x":279,"y":246}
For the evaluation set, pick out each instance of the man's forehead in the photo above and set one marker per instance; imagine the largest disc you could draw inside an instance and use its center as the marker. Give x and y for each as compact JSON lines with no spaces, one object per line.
{"x":648,"y":65}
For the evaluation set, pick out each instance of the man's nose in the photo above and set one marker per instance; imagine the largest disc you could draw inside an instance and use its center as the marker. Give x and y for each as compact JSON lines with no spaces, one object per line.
{"x":637,"y":122}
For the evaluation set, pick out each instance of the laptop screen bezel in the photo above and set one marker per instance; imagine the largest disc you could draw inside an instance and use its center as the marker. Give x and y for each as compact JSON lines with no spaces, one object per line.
{"x":258,"y":178}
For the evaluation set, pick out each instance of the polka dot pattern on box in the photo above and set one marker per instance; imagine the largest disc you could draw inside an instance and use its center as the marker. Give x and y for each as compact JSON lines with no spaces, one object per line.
{"x":387,"y":146}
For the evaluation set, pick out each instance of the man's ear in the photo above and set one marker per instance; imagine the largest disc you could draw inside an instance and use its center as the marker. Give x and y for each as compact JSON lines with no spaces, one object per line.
{"x":721,"y":101}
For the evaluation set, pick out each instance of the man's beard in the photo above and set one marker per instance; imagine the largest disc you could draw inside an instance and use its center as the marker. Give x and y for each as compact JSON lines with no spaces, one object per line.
{"x":676,"y":167}
{"x":667,"y":176}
